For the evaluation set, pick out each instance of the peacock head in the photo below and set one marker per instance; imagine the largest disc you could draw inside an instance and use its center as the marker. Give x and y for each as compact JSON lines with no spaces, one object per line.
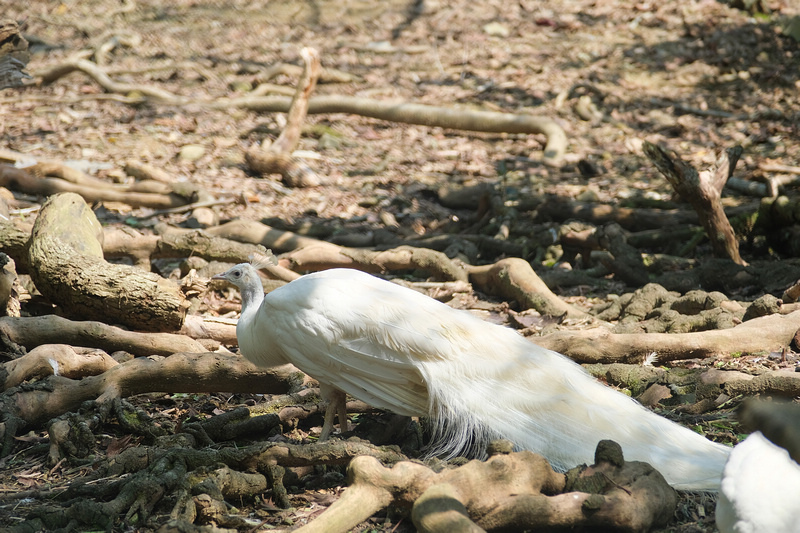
{"x":238,"y":275}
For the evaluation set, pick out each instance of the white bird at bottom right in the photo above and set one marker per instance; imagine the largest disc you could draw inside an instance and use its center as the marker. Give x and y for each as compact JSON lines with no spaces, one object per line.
{"x":760,"y":489}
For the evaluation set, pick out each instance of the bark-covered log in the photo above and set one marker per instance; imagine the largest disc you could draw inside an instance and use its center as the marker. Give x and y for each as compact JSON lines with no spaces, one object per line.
{"x":67,"y":266}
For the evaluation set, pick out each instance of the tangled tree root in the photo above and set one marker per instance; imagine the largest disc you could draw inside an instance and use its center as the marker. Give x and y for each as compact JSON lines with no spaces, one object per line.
{"x":132,"y":484}
{"x":509,"y":492}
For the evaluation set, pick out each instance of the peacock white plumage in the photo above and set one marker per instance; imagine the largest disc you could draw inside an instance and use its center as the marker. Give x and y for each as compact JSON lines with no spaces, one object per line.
{"x":761,"y":480}
{"x":759,"y":491}
{"x":400,"y":350}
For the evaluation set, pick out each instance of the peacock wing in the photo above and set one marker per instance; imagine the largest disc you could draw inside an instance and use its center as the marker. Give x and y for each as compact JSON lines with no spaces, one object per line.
{"x":355,"y":332}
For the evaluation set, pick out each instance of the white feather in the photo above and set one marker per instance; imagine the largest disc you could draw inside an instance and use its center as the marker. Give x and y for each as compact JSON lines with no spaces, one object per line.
{"x":399,"y":350}
{"x":760,"y":489}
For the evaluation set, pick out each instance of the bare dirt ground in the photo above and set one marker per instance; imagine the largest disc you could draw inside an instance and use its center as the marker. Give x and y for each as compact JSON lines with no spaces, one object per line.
{"x":695,"y":76}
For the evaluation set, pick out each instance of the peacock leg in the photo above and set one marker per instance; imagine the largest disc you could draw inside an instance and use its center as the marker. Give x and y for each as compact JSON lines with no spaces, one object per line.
{"x":337,"y":403}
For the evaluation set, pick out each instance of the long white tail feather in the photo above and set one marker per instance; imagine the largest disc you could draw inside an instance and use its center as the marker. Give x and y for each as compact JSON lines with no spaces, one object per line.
{"x":563,"y":417}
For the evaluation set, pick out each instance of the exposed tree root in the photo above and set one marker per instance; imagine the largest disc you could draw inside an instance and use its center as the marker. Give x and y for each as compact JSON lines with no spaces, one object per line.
{"x":621,"y":258}
{"x":312,"y":258}
{"x":784,"y":383}
{"x":703,"y":191}
{"x":251,"y":231}
{"x":510,"y":492}
{"x":68,"y":268}
{"x":174,"y":243}
{"x":513,"y":278}
{"x":58,"y":359}
{"x":425,"y":115}
{"x":653,"y":309}
{"x":11,"y":292}
{"x":553,"y":207}
{"x":695,"y":391}
{"x":14,"y":237}
{"x":14,"y":55}
{"x":405,"y":112}
{"x":764,"y":334}
{"x":197,"y":327}
{"x":51,"y":329}
{"x":277,"y":157}
{"x":142,"y":249}
{"x":208,"y":474}
{"x":25,"y":181}
{"x":79,"y":64}
{"x":181,"y":372}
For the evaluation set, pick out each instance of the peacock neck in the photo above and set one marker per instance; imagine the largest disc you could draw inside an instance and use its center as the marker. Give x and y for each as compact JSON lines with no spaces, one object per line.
{"x":252,"y":296}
